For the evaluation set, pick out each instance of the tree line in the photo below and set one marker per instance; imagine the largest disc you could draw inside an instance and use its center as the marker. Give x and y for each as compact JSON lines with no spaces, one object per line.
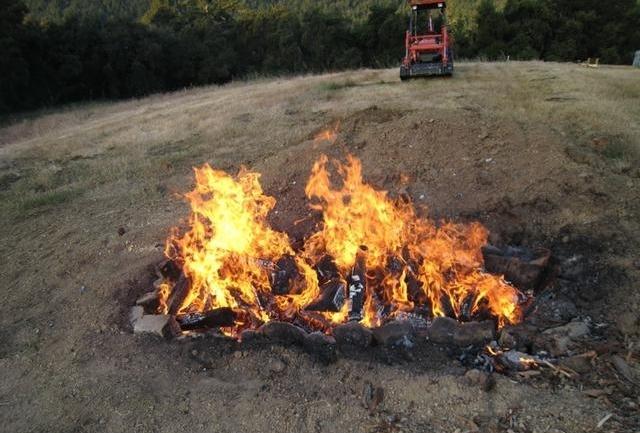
{"x":59,"y":56}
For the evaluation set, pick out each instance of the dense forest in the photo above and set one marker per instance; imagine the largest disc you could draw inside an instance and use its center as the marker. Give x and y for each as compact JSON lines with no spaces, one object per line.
{"x":59,"y":51}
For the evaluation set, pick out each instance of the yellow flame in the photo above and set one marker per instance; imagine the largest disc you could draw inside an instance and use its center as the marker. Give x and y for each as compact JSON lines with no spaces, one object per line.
{"x":228,"y":251}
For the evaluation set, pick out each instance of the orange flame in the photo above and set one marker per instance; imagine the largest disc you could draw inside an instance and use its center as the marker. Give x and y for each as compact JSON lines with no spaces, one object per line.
{"x":229,"y":253}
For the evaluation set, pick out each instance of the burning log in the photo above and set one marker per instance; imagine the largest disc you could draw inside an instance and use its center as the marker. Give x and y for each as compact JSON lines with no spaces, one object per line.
{"x":524,"y":268}
{"x":331,"y":297}
{"x":326,"y":269}
{"x":178,"y":293}
{"x":284,"y":274}
{"x":211,"y":319}
{"x":357,"y":285}
{"x":414,"y":289}
{"x":169,"y":269}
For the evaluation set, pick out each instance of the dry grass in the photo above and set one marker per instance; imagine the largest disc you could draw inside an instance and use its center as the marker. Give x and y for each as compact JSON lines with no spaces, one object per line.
{"x":128,"y":147}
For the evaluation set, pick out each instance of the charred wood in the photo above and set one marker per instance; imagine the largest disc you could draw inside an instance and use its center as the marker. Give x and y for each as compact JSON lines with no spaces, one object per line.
{"x":211,"y":319}
{"x":523,"y":267}
{"x":169,"y":269}
{"x":326,"y":269}
{"x":284,"y":274}
{"x":178,"y":293}
{"x":331,"y":297}
{"x":357,"y":285}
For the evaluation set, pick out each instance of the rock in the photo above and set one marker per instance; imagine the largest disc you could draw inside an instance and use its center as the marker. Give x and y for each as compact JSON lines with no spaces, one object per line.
{"x":250,"y":335}
{"x":573,"y":330}
{"x":517,"y":361}
{"x":442,"y":330}
{"x":135,"y":314}
{"x":395,"y":333}
{"x":163,"y":325}
{"x":556,"y":345}
{"x":507,"y":339}
{"x":276,"y":366}
{"x":283,"y":332}
{"x":149,"y":300}
{"x":322,"y":346}
{"x":623,"y":368}
{"x":552,"y":311}
{"x":579,"y":363}
{"x":628,"y":323}
{"x":474,"y":333}
{"x":372,"y":397}
{"x":479,"y":378}
{"x":353,"y":334}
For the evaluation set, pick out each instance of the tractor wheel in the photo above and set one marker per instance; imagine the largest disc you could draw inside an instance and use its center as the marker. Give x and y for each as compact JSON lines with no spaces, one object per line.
{"x":404,"y":74}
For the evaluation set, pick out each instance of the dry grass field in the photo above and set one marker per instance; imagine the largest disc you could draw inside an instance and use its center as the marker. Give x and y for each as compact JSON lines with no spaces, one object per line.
{"x":541,"y":153}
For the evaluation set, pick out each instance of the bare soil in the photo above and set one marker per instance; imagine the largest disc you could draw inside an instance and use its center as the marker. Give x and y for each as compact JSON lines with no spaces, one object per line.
{"x":542,"y":154}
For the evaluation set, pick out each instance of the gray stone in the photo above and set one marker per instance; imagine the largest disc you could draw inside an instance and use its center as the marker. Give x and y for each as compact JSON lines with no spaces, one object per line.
{"x":135,"y":314}
{"x":516,"y":360}
{"x":573,"y":330}
{"x":474,"y":333}
{"x":395,"y":333}
{"x":482,"y":379}
{"x":163,"y":325}
{"x":250,"y":335}
{"x":442,"y":330}
{"x":556,"y":345}
{"x":445,"y":330}
{"x":322,"y":346}
{"x":507,"y":339}
{"x":579,"y":363}
{"x":353,"y":334}
{"x":628,"y":322}
{"x":623,"y":368}
{"x":283,"y":332}
{"x":636,"y":59}
{"x":276,"y":366}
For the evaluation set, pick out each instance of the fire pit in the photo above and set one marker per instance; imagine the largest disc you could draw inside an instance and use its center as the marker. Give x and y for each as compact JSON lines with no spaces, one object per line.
{"x":372,"y":272}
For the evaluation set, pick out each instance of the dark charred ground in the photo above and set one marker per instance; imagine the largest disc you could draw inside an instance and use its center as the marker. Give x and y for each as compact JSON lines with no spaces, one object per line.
{"x":523,"y":148}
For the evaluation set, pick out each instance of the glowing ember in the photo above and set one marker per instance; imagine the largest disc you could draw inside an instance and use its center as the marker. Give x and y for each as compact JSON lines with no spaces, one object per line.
{"x":372,"y":258}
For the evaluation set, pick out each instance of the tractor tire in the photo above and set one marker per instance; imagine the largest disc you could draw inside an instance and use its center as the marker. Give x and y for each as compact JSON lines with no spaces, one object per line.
{"x":404,"y":74}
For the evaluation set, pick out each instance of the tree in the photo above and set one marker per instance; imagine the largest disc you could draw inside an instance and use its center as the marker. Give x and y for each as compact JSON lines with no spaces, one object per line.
{"x":14,"y":68}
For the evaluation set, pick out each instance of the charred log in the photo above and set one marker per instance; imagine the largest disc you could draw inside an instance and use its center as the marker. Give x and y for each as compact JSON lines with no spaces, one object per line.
{"x":178,"y":293}
{"x":414,"y":289}
{"x":326,"y":269}
{"x":331,"y":297}
{"x":284,"y":275}
{"x":211,"y":319}
{"x":169,"y":269}
{"x":523,"y":267}
{"x":357,"y":285}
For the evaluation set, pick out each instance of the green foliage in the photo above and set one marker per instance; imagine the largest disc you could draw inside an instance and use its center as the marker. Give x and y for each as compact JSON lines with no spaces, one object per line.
{"x":70,"y":50}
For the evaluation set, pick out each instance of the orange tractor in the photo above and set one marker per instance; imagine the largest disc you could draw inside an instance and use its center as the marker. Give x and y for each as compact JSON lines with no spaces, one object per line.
{"x":427,"y":42}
